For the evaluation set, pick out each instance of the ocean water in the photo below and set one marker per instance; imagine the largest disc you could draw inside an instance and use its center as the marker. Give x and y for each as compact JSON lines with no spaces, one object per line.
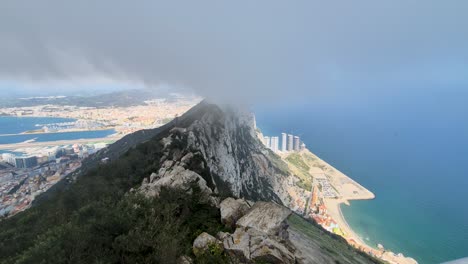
{"x":412,"y":153}
{"x":10,"y":127}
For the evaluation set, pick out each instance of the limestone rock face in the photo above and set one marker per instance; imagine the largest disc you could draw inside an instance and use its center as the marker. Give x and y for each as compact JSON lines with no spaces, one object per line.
{"x":265,"y":217}
{"x":238,"y":162}
{"x":232,"y":209}
{"x":176,"y":177}
{"x":238,"y":244}
{"x":222,"y":235}
{"x":218,"y":149}
{"x":202,"y":243}
{"x":259,"y":236}
{"x":271,"y":251}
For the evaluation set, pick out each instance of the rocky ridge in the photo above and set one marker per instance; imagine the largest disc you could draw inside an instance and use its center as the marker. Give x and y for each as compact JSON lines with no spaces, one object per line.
{"x":220,"y":151}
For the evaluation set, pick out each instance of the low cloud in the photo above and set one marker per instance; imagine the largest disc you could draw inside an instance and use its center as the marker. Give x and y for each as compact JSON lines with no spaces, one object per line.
{"x":241,"y":50}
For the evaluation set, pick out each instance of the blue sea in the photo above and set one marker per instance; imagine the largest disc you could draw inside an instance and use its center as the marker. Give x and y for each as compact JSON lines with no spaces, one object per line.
{"x":11,"y":127}
{"x":412,"y":153}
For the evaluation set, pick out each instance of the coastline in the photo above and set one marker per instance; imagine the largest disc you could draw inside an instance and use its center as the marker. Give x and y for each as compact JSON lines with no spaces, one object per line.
{"x":347,"y":190}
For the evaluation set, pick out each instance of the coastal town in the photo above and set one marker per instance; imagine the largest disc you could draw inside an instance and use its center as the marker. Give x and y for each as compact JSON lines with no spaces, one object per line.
{"x":124,"y":119}
{"x":22,"y":179}
{"x":317,"y":191}
{"x":30,"y":168}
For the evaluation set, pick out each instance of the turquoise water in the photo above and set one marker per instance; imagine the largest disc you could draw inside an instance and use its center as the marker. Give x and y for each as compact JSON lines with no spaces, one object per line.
{"x":414,"y":157}
{"x":15,"y":125}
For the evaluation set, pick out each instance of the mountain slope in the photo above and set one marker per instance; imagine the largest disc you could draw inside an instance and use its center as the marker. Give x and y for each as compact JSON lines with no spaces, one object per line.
{"x":183,"y":170}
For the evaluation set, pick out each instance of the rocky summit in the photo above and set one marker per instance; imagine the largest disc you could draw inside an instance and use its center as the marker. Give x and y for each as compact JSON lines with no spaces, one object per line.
{"x":219,"y":149}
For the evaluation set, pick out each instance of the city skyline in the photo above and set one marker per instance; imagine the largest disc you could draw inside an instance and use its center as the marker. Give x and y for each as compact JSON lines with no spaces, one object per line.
{"x":289,"y":142}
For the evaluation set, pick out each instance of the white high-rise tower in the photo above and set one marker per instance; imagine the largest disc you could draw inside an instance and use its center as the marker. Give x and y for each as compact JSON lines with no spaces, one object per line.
{"x":290,"y":142}
{"x":283,"y":142}
{"x":297,"y":143}
{"x":274,"y":143}
{"x":267,"y":141}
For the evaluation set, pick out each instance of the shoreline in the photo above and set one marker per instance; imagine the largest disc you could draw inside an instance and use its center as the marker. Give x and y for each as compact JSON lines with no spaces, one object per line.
{"x":346,"y":190}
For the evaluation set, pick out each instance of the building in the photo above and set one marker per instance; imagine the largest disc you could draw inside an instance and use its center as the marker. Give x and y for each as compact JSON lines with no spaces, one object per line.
{"x":297,"y":143}
{"x":267,"y":141}
{"x":274,"y":143}
{"x":20,"y":162}
{"x":9,"y":158}
{"x":283,"y":142}
{"x":26,"y":162}
{"x":290,"y":142}
{"x":303,"y":146}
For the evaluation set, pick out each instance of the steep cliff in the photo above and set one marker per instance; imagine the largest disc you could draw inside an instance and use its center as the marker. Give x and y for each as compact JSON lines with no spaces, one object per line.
{"x":220,"y":146}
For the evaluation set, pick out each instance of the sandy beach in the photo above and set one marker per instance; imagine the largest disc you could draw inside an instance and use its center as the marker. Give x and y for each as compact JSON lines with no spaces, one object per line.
{"x":343,"y":190}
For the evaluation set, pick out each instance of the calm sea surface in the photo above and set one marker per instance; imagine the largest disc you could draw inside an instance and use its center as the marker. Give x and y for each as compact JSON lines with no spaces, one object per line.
{"x":16,"y":125}
{"x":413,"y":154}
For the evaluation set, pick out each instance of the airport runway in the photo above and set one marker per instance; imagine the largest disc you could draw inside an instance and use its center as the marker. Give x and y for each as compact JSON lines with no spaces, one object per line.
{"x":58,"y":143}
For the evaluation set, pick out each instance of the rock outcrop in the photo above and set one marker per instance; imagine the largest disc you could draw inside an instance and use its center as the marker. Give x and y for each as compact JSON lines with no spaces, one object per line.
{"x":232,"y":209}
{"x":203,"y":242}
{"x":218,"y":149}
{"x":266,"y":218}
{"x":258,"y":236}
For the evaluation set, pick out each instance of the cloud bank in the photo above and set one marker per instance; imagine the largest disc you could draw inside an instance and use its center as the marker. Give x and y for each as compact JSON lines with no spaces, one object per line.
{"x":239,"y":50}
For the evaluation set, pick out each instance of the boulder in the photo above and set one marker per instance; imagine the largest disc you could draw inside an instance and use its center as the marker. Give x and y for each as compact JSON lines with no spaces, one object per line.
{"x":222,"y":235}
{"x":178,"y":177}
{"x":203,"y":242}
{"x":231,"y":210}
{"x":186,"y":159}
{"x":249,"y":245}
{"x":238,"y":245}
{"x":265,"y":217}
{"x":153,"y":177}
{"x":266,"y":250}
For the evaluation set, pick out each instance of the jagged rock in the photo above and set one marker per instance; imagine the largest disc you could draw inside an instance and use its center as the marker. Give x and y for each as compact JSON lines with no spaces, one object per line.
{"x":167,"y":164}
{"x":232,"y":209}
{"x":185,"y":159}
{"x":265,"y":217}
{"x":238,"y":244}
{"x":178,"y":177}
{"x":153,"y":177}
{"x":179,"y":130}
{"x":252,"y":245}
{"x":238,"y":166}
{"x":202,"y":243}
{"x":222,"y":235}
{"x":166,"y":141}
{"x":270,"y":251}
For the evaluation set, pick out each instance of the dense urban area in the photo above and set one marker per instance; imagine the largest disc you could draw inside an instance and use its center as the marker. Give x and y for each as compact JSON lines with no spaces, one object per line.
{"x":30,"y":168}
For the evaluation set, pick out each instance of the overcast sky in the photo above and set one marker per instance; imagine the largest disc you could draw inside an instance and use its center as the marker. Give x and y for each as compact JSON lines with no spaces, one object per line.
{"x":233,"y":50}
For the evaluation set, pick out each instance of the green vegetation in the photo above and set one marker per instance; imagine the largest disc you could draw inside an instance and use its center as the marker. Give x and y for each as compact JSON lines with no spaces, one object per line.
{"x":328,"y":243}
{"x":296,"y":160}
{"x":96,"y":219}
{"x":301,"y":169}
{"x":309,"y":157}
{"x":306,"y":185}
